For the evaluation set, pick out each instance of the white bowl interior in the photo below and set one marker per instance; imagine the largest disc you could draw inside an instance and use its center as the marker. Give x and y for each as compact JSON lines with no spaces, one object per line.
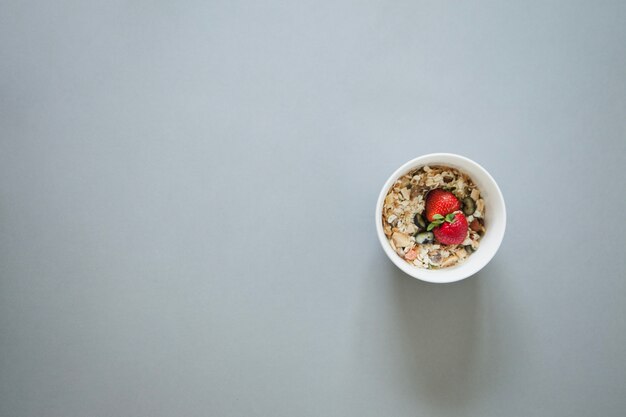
{"x":495,"y":219}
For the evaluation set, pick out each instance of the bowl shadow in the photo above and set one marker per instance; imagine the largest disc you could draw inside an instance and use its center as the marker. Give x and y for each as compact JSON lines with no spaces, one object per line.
{"x":438,"y":329}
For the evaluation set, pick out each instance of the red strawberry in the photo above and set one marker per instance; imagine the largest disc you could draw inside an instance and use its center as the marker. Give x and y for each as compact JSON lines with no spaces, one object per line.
{"x":440,"y":202}
{"x":453,"y":230}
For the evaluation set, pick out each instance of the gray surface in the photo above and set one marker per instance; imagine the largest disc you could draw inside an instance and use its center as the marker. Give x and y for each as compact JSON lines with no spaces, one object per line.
{"x":186,"y":201}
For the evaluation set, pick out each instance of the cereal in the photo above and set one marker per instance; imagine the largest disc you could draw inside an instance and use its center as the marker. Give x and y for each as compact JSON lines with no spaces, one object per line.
{"x":404,"y":222}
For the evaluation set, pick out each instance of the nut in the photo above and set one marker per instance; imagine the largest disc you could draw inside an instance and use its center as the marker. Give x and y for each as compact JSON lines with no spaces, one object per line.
{"x":401,"y":239}
{"x":480,"y":205}
{"x":435,"y":257}
{"x":450,"y":261}
{"x":411,"y":229}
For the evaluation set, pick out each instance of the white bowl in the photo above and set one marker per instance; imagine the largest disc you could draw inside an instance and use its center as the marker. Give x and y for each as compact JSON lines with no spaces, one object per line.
{"x":495,"y":219}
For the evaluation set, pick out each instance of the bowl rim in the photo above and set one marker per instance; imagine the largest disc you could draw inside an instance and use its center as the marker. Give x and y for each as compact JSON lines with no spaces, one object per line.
{"x":425,"y":274}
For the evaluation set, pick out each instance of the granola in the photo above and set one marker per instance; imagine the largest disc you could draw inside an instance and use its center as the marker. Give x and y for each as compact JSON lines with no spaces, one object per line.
{"x":407,"y":229}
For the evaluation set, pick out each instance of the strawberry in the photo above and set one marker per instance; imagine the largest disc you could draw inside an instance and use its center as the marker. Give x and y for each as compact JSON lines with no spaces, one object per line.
{"x":452,"y":229}
{"x":440,"y":202}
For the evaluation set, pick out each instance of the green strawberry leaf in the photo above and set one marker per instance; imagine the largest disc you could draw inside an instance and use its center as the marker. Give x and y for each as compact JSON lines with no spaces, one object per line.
{"x":433,"y":225}
{"x":438,"y":217}
{"x":450,"y":217}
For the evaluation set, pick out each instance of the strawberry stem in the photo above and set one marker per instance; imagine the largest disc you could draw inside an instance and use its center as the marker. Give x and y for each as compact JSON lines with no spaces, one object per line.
{"x":438,"y":219}
{"x":434,"y":224}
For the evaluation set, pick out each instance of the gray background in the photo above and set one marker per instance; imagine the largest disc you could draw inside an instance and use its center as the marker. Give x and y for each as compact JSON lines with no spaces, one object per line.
{"x":187,"y":193}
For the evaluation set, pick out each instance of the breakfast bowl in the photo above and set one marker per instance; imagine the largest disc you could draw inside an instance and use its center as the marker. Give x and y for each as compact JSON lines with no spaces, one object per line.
{"x":440,"y":217}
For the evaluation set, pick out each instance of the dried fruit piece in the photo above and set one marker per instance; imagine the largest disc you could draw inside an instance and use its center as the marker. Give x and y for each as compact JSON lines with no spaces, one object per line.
{"x":475,"y":225}
{"x":410,"y":255}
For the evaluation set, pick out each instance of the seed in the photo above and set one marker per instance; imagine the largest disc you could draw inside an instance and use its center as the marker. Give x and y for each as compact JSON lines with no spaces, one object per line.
{"x":419,"y":222}
{"x":424,"y":237}
{"x":469,"y":206}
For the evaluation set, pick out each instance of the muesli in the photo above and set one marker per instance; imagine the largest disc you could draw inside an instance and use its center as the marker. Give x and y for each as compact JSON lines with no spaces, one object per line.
{"x":434,"y":216}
